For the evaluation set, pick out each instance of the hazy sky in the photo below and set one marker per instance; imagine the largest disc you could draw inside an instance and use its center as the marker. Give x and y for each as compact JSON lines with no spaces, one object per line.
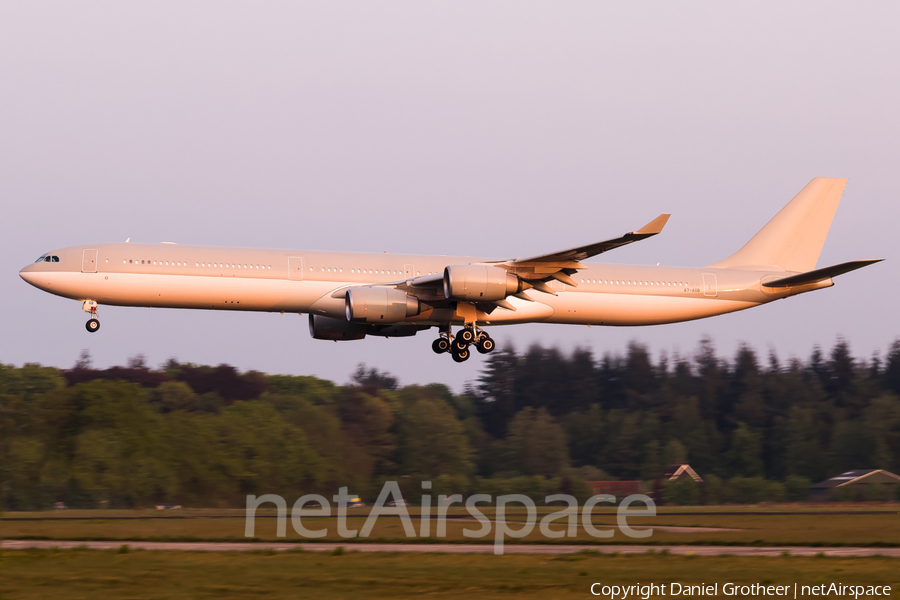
{"x":485,"y":128}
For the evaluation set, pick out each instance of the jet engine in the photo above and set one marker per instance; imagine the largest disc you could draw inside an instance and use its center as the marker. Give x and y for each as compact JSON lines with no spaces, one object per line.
{"x":326,"y":328}
{"x":380,"y":305}
{"x":479,"y":282}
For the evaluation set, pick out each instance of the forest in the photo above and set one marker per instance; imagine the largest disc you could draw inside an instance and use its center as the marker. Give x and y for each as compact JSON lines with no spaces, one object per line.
{"x":537,"y":421}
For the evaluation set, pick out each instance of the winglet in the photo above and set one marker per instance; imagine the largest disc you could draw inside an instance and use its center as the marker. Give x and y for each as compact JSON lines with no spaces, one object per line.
{"x":655,"y":226}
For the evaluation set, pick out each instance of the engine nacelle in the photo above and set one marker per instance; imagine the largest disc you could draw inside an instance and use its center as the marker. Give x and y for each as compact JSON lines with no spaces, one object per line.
{"x":380,"y":305}
{"x":479,"y":283}
{"x":401,"y":330}
{"x":327,"y":328}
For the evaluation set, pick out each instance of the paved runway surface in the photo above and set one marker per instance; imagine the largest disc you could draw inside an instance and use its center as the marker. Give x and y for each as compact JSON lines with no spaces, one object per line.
{"x":458,"y":548}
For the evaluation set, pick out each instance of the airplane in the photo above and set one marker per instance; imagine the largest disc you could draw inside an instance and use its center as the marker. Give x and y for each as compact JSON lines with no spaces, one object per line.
{"x":351,"y":295}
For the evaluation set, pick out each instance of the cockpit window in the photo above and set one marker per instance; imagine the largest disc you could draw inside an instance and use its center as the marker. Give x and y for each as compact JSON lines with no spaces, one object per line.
{"x":47,"y":258}
{"x":54,"y":259}
{"x":41,"y":259}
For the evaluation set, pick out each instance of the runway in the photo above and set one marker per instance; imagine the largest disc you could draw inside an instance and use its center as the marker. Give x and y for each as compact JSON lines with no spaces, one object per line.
{"x":508,"y":548}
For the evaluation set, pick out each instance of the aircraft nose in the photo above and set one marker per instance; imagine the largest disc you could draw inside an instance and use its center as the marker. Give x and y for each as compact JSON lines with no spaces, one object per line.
{"x":28,"y":274}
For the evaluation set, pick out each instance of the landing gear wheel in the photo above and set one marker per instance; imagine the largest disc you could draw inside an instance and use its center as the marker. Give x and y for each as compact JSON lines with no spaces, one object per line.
{"x":92,"y":325}
{"x":485,"y":345}
{"x":466,"y":335}
{"x":458,"y":346}
{"x":460,"y":355}
{"x":440,"y":345}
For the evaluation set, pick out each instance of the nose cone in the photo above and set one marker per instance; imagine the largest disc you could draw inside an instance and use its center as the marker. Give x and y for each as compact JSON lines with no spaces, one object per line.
{"x":28,"y":274}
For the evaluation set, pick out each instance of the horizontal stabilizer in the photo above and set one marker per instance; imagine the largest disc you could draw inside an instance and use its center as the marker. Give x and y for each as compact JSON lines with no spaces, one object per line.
{"x":820,"y":274}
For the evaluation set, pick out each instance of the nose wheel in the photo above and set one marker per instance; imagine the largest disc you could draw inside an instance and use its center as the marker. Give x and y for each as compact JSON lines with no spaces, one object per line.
{"x":459,"y":345}
{"x":93,"y":324}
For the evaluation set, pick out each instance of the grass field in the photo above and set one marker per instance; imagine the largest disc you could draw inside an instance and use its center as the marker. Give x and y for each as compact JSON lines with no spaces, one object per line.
{"x":753,"y":527}
{"x":138,"y":575}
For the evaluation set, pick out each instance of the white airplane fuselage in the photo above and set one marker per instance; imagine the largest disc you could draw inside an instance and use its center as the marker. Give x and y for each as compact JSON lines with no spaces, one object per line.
{"x":246,"y":279}
{"x":351,"y":295}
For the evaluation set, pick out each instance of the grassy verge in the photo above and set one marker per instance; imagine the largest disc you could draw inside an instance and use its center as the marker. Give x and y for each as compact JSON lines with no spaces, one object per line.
{"x":138,"y":575}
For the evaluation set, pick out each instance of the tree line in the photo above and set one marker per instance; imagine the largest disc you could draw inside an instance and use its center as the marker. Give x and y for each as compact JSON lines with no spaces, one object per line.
{"x":538,"y":421}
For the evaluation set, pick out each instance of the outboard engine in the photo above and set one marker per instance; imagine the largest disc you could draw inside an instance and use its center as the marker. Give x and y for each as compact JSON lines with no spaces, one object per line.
{"x":479,"y":283}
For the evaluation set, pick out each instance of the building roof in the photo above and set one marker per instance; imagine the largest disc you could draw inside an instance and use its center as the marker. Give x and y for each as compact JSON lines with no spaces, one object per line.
{"x":856,"y":476}
{"x":679,"y":471}
{"x":617,"y":488}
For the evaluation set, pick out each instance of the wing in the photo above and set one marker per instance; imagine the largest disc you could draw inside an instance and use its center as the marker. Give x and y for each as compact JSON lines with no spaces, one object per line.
{"x":537,"y":270}
{"x":582,"y":252}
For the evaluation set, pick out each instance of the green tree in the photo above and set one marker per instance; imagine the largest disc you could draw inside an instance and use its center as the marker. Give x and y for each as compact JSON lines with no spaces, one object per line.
{"x":744,"y":455}
{"x":683,"y":492}
{"x":674,"y":453}
{"x":797,"y":488}
{"x":536,"y":444}
{"x":432,"y":441}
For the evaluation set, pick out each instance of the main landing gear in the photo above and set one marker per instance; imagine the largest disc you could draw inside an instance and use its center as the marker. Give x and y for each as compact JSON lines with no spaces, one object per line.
{"x":93,"y":324}
{"x":458,"y":346}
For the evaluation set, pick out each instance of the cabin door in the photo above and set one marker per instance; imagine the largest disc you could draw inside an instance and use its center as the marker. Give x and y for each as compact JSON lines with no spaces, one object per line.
{"x":409,"y":271}
{"x":89,"y":261}
{"x":295,"y":268}
{"x":709,"y":285}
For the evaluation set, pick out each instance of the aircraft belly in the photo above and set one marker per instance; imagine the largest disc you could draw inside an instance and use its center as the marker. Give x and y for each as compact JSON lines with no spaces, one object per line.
{"x":634,"y":309}
{"x":184,"y":291}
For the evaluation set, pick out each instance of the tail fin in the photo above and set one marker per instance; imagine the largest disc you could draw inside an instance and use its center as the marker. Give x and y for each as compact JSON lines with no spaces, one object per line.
{"x":794,"y":237}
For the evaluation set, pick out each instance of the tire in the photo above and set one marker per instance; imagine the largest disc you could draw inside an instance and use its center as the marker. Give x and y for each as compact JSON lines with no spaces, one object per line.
{"x":466,"y":335}
{"x":92,"y":325}
{"x":485,"y":345}
{"x":461,"y":355}
{"x":458,"y":346}
{"x":440,"y":345}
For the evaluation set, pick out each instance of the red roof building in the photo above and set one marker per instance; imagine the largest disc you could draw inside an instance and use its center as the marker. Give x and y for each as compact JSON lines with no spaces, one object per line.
{"x":618,"y":488}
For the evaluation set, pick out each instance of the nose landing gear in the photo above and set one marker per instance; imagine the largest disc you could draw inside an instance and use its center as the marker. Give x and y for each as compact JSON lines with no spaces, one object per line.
{"x":93,"y":324}
{"x":458,"y":345}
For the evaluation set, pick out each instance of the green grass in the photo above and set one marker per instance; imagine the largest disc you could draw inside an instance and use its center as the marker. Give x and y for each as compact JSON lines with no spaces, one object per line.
{"x":754,"y":528}
{"x":77,"y":574}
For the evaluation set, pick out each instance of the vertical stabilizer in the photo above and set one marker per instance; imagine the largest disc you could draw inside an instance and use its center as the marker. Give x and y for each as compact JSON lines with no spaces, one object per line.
{"x":794,"y":237}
